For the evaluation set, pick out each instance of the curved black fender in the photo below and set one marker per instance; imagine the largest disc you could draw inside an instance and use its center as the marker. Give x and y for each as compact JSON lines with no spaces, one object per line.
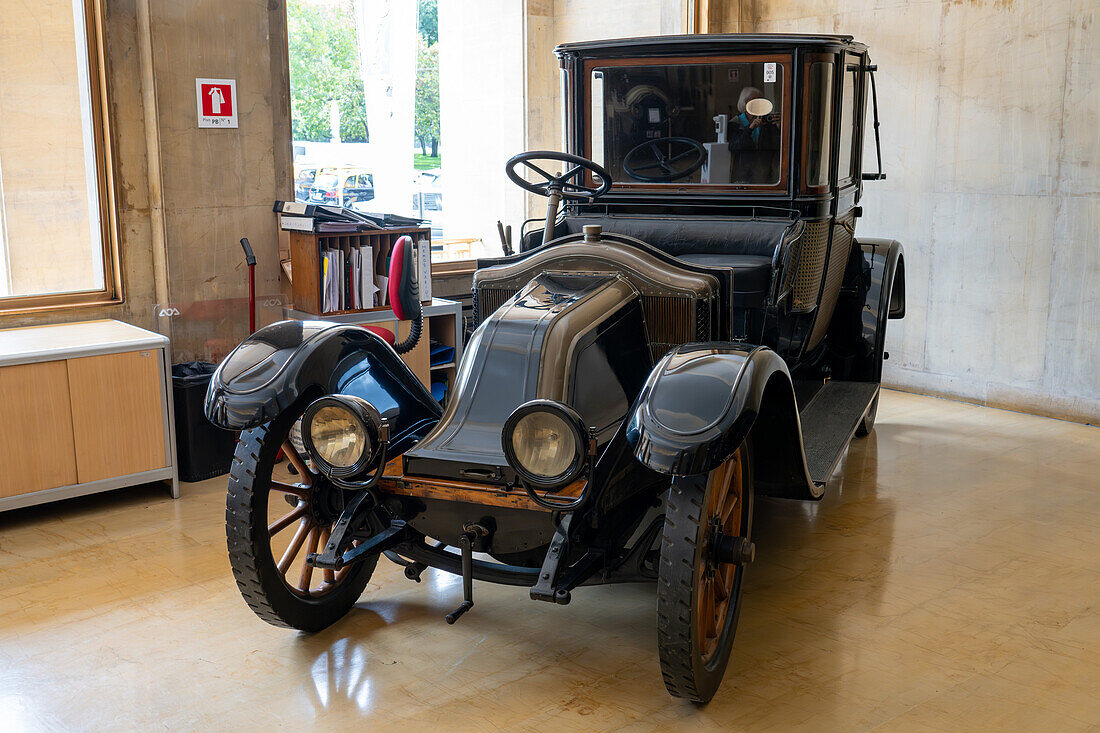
{"x":700,"y":403}
{"x":883,"y":298}
{"x":282,"y":363}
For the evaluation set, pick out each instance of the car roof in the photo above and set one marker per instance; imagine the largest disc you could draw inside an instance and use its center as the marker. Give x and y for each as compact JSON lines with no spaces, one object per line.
{"x":709,"y":41}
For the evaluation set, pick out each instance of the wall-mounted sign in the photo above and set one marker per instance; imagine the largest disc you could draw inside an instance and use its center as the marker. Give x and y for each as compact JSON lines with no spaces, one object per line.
{"x":217,"y":102}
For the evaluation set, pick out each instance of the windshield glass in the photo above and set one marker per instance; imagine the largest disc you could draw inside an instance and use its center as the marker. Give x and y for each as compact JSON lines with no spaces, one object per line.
{"x":328,"y":181}
{"x":720,"y":122}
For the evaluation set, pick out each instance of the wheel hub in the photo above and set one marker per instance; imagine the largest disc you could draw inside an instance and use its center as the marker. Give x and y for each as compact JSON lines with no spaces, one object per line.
{"x":723,"y":548}
{"x":326,"y":501}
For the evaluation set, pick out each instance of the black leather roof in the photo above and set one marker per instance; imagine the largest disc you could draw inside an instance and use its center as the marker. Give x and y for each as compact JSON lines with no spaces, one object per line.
{"x":706,"y":41}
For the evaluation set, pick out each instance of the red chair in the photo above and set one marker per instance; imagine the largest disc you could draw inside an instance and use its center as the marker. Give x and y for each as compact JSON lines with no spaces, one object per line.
{"x":384,"y":333}
{"x":404,"y":297}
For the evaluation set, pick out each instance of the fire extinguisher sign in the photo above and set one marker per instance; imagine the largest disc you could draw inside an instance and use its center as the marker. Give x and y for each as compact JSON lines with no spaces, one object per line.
{"x":217,"y":102}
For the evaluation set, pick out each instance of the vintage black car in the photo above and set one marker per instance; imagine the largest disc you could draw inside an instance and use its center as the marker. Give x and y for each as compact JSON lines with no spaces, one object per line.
{"x":695,"y":325}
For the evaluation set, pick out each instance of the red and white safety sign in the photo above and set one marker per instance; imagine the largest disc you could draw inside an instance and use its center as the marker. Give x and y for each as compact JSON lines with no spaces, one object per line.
{"x":217,"y":102}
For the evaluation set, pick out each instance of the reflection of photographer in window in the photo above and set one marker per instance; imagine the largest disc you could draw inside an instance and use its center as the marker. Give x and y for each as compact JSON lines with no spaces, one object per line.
{"x":754,"y":139}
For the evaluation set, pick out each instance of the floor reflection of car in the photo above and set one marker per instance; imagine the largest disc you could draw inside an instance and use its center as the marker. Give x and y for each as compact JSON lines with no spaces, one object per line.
{"x":344,"y":187}
{"x":428,"y":199}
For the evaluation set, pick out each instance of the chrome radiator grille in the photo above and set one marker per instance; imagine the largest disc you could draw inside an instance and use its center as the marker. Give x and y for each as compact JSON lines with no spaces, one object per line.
{"x":487,"y":300}
{"x":670,"y":322}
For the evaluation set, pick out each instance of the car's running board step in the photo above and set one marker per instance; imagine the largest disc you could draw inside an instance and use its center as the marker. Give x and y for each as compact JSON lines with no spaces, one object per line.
{"x":829,"y":421}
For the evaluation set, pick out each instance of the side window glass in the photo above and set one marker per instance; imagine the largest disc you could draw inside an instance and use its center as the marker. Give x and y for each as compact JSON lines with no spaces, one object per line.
{"x":819,"y":120}
{"x":847,"y":116}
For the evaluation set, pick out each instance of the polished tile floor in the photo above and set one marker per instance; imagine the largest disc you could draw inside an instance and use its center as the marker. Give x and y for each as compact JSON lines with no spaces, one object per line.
{"x":950,"y":580}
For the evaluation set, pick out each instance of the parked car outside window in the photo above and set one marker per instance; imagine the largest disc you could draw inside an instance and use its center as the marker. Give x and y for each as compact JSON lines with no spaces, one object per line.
{"x":342,"y":187}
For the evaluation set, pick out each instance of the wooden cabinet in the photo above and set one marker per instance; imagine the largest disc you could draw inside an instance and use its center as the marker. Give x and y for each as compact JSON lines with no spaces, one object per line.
{"x":84,"y":407}
{"x":117,"y":424}
{"x":445,"y":330}
{"x":417,"y":357}
{"x":36,"y":451}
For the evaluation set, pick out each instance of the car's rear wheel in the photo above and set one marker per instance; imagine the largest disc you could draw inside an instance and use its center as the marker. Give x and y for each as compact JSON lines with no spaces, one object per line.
{"x":867,"y":422}
{"x":278,"y":507}
{"x":708,"y":523}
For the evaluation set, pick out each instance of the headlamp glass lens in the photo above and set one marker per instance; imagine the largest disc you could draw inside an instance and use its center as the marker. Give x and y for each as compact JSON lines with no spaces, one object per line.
{"x":544,"y":444}
{"x":338,"y":437}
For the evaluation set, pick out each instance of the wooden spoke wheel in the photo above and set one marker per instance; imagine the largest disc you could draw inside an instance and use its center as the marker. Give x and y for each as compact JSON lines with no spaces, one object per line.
{"x":867,"y":422}
{"x":278,"y":511}
{"x":704,"y":549}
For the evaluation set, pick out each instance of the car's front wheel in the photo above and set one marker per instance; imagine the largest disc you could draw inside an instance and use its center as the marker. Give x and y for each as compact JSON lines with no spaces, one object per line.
{"x":704,"y":549}
{"x":278,"y":510}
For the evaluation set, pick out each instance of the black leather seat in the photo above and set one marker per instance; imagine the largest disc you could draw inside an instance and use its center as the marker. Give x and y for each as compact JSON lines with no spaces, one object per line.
{"x":751,"y":273}
{"x":745,"y":245}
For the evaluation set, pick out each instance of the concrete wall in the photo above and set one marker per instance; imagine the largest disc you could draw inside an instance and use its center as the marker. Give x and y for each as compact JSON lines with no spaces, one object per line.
{"x":550,"y":22}
{"x":218,"y":185}
{"x":481,"y":52}
{"x":990,"y":112}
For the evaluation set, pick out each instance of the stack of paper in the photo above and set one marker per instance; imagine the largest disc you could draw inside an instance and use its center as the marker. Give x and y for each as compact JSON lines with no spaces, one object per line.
{"x":322,"y":218}
{"x":348,"y":281}
{"x":332,"y":281}
{"x":362,"y":277}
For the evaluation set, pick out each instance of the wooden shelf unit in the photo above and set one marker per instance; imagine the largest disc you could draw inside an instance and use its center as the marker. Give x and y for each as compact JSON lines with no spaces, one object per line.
{"x":444,"y":329}
{"x":442,"y":322}
{"x":305,"y":261}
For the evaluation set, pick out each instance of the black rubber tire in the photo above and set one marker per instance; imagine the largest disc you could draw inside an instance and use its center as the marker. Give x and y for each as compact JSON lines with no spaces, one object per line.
{"x":254,"y":568}
{"x":867,"y":422}
{"x":682,"y":548}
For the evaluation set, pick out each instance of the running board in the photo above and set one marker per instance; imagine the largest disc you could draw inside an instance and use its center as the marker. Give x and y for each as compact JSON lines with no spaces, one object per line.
{"x":830,"y":420}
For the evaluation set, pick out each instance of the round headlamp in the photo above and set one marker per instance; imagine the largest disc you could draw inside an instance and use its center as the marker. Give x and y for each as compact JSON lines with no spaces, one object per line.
{"x":545,"y":443}
{"x":341,"y":434}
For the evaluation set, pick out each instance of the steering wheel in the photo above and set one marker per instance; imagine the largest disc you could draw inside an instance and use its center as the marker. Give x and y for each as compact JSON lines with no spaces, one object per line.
{"x":661,"y":167}
{"x":562,"y":185}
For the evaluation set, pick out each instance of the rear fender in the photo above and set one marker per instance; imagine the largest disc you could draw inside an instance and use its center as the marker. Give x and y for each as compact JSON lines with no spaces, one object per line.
{"x":284,"y":363}
{"x":884,"y":300}
{"x":701,"y":402}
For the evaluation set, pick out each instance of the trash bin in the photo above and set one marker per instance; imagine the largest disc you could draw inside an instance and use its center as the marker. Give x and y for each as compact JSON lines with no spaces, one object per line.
{"x":203,"y":450}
